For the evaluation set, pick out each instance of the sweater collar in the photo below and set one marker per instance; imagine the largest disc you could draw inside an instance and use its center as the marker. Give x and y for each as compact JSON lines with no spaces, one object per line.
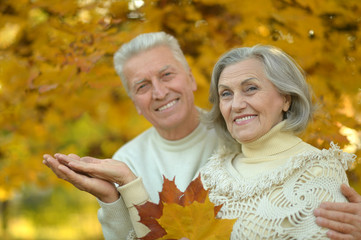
{"x":187,"y":142}
{"x":273,"y":142}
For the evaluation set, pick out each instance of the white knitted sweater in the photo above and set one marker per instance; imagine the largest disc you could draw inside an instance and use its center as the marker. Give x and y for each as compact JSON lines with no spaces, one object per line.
{"x":273,"y":187}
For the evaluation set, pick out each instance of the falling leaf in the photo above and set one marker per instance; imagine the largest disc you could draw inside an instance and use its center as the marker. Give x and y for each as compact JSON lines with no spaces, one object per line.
{"x":188,"y":214}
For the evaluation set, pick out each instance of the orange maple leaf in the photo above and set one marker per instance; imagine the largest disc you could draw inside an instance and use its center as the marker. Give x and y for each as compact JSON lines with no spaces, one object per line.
{"x":188,"y":214}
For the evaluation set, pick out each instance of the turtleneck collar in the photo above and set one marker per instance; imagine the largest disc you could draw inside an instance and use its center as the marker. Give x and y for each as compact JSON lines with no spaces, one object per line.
{"x":273,"y":142}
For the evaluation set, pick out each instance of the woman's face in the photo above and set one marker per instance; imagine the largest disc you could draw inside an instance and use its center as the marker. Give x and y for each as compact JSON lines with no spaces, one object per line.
{"x":249,"y":102}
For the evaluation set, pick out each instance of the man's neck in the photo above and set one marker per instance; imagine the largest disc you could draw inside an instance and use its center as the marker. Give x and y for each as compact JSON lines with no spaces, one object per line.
{"x":183,"y":130}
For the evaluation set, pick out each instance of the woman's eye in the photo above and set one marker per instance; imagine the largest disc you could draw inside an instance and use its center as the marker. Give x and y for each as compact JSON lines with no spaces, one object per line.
{"x":225,"y":94}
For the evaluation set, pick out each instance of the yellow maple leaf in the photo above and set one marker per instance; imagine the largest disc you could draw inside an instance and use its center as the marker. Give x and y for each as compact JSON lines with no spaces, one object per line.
{"x":184,"y":215}
{"x":195,"y":221}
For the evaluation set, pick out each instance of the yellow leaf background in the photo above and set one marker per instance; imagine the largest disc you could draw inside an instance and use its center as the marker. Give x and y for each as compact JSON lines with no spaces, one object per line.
{"x":60,"y":93}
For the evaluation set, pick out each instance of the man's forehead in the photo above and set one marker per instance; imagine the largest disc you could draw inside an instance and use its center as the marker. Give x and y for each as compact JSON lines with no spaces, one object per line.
{"x":151,"y":61}
{"x":144,"y":71}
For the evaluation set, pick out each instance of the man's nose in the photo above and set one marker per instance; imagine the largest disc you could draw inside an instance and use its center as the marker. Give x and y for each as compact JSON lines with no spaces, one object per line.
{"x":159,"y":90}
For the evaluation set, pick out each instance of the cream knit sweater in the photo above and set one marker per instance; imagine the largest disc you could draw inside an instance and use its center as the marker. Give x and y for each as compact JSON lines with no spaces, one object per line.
{"x":273,"y":187}
{"x":151,"y":157}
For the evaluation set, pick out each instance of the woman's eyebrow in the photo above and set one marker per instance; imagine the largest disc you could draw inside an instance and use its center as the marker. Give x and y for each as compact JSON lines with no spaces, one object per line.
{"x":248,"y":80}
{"x":245,"y":81}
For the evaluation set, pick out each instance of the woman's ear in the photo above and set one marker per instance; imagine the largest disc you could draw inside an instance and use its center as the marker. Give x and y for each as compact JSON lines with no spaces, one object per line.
{"x":287,"y":103}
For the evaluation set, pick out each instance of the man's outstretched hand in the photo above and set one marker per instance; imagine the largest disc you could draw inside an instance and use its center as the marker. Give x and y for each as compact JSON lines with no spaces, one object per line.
{"x":342,"y":219}
{"x":107,"y":169}
{"x":104,"y":190}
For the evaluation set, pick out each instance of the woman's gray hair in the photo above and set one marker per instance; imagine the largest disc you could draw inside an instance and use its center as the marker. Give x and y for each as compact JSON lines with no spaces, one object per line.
{"x":142,"y":43}
{"x":282,"y":71}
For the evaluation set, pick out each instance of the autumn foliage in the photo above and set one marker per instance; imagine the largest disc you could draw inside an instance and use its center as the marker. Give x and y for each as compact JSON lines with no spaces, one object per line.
{"x":59,"y":91}
{"x":187,"y":214}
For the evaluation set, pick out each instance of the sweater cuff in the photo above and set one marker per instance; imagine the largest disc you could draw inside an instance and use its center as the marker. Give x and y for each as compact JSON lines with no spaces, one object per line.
{"x":134,"y":193}
{"x":103,"y":204}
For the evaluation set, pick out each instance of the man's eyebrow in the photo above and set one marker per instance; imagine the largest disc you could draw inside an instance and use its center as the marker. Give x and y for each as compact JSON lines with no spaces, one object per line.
{"x":164,"y":68}
{"x":138,"y":82}
{"x":160,"y":71}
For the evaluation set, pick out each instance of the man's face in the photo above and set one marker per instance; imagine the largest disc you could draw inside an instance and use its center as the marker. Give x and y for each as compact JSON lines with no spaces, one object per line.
{"x":161,"y":89}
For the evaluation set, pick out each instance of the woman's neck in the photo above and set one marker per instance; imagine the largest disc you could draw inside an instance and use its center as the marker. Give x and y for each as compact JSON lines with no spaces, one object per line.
{"x":273,"y":142}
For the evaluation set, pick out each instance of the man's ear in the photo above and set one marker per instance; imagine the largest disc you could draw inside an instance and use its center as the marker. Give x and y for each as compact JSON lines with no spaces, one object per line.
{"x":287,"y":103}
{"x":193,"y":80}
{"x":139,"y":111}
{"x":138,"y":108}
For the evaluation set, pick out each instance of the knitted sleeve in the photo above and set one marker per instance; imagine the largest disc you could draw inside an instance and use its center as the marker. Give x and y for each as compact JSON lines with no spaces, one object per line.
{"x":114,"y":219}
{"x":121,"y":217}
{"x":134,"y":193}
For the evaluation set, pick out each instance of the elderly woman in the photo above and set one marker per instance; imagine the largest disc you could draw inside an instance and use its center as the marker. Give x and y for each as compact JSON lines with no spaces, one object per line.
{"x":261,"y":99}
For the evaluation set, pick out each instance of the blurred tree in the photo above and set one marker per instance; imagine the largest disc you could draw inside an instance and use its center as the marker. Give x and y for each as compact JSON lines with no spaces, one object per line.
{"x":59,"y":92}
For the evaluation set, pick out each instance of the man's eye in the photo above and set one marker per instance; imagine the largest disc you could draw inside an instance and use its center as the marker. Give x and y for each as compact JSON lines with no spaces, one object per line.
{"x":251,"y":88}
{"x":167,"y":75}
{"x":142,"y":87}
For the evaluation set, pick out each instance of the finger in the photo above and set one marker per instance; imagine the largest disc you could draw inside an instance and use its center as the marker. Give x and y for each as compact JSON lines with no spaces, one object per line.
{"x":90,"y":160}
{"x":46,"y":158}
{"x":50,"y":162}
{"x":350,"y":194}
{"x":103,"y":190}
{"x":80,"y":181}
{"x":340,"y":207}
{"x":74,"y":156}
{"x":337,"y":216}
{"x":80,"y":166}
{"x":96,"y":170}
{"x":338,"y":236}
{"x":53,"y":164}
{"x":335,"y":225}
{"x":64,"y":159}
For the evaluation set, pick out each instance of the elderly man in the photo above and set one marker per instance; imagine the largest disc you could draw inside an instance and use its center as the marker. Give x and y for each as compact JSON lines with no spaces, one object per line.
{"x":159,"y":81}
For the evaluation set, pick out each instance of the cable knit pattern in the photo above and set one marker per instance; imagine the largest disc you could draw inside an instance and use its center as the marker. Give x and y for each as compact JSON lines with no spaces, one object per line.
{"x":278,"y":204}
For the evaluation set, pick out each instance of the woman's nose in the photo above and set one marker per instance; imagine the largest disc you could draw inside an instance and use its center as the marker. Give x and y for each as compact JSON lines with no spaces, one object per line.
{"x":238,"y":103}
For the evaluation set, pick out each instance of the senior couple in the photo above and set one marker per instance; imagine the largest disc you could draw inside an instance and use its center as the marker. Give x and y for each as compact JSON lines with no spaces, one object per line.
{"x":246,"y":148}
